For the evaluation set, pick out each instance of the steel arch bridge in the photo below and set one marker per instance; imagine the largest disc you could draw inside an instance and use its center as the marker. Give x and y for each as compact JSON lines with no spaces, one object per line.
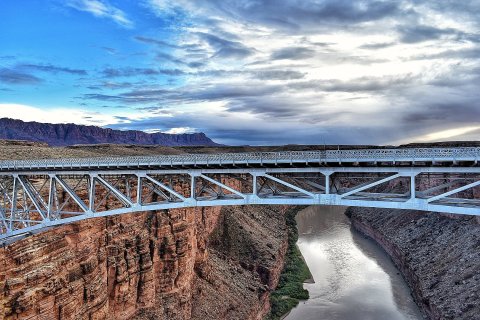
{"x":39,"y":194}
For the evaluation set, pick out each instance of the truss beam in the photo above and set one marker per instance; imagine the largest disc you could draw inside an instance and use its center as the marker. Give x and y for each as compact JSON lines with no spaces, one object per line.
{"x":24,"y":209}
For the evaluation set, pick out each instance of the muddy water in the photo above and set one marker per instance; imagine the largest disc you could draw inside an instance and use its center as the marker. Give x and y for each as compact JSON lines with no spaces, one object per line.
{"x":354,"y":278}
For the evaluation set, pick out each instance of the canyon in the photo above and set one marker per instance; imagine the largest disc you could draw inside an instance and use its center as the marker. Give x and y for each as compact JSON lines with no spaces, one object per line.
{"x":211,"y":263}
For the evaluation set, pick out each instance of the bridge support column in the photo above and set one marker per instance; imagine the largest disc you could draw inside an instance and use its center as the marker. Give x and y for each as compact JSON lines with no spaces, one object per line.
{"x":91,"y":192}
{"x":327,"y":182}
{"x":412,"y":186}
{"x":139,"y":190}
{"x":192,"y":186}
{"x":51,"y":196}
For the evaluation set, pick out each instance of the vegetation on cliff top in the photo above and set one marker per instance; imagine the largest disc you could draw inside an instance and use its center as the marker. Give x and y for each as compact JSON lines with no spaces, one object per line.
{"x":290,"y":290}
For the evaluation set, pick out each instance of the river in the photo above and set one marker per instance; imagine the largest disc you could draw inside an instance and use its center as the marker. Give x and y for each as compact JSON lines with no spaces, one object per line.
{"x":354,"y":278}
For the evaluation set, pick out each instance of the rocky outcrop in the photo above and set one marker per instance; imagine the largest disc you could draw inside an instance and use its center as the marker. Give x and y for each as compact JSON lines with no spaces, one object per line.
{"x":151,"y":265}
{"x":438,"y":255}
{"x":248,"y":248}
{"x":70,"y":134}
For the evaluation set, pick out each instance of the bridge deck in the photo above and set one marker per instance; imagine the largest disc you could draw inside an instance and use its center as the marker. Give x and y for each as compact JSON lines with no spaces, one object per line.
{"x":386,"y":157}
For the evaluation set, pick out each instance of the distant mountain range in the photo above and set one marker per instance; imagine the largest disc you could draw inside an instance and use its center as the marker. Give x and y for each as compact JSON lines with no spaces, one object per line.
{"x":71,"y":134}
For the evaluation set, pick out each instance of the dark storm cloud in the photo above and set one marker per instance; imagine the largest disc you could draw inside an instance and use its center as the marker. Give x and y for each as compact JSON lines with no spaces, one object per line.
{"x":51,"y":69}
{"x":11,"y":76}
{"x":270,"y":106}
{"x":225,"y":48}
{"x":420,"y":33}
{"x":287,"y":132}
{"x":457,"y":111}
{"x":302,"y":15}
{"x":295,"y":53}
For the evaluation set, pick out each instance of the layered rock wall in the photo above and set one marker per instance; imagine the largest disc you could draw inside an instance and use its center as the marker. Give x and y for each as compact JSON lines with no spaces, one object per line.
{"x":106,"y":267}
{"x":150,"y":265}
{"x":439,"y":256}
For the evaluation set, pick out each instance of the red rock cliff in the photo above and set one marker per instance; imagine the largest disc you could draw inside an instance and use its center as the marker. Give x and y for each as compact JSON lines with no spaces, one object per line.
{"x":148,"y":265}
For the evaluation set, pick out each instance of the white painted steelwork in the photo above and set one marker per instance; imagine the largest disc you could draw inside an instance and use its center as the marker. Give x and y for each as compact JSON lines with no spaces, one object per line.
{"x":38,"y":194}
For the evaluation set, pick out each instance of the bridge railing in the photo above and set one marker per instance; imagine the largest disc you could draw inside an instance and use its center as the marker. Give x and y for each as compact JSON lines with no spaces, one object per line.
{"x":411,"y":154}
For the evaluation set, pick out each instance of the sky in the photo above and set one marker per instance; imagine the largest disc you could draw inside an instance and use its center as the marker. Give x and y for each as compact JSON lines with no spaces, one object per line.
{"x":257,"y":72}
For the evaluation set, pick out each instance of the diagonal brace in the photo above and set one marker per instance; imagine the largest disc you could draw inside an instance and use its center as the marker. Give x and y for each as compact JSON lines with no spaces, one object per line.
{"x":289,"y":185}
{"x":161,"y":185}
{"x":446,"y":194}
{"x":127,"y":202}
{"x":370,"y":185}
{"x":31,"y":195}
{"x":440,"y":187}
{"x":72,"y":194}
{"x":222,"y":185}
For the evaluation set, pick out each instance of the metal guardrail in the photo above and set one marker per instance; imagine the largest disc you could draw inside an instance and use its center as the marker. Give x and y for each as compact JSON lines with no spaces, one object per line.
{"x":411,"y":154}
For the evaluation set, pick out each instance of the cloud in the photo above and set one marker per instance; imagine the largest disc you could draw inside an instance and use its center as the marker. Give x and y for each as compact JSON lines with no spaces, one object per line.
{"x":450,"y":134}
{"x":277,"y":74}
{"x":363,"y":84}
{"x":333,"y":71}
{"x":55,"y":115}
{"x":459,"y":111}
{"x":134,"y":72}
{"x":157,"y":42}
{"x":420,"y":33}
{"x":295,"y":53}
{"x":11,"y":76}
{"x":375,"y":46}
{"x":101,"y":9}
{"x":459,"y":54}
{"x":181,"y":130}
{"x":292,"y":15}
{"x":226,"y":48}
{"x":51,"y":69}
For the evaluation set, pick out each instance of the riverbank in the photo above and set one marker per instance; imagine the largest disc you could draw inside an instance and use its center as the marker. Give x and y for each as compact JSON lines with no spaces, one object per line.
{"x":438,"y":255}
{"x":295,"y":272}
